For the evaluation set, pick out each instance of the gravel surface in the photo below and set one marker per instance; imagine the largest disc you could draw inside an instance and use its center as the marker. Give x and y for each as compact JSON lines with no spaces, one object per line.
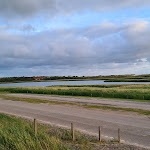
{"x":96,"y":101}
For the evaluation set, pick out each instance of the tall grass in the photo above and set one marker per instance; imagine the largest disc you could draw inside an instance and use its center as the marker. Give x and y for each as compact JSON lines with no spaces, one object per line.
{"x":139,"y":92}
{"x":16,"y":134}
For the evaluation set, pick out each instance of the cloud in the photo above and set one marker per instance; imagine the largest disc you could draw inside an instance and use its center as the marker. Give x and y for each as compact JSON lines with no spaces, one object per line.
{"x":27,"y":28}
{"x":26,"y":42}
{"x":24,"y":8}
{"x":97,"y":45}
{"x":29,"y":8}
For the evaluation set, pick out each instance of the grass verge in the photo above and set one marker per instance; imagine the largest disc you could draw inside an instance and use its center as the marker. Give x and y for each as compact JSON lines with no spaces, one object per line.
{"x":32,"y":100}
{"x":18,"y":134}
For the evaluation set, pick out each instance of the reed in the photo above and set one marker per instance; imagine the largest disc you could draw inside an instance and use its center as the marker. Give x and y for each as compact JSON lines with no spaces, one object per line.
{"x":136,"y":92}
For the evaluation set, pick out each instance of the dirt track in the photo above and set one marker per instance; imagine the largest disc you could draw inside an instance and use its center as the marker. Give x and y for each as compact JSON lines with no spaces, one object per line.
{"x":96,"y":101}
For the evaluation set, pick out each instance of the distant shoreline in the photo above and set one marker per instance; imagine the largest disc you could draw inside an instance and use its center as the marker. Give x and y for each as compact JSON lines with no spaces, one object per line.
{"x":109,"y":78}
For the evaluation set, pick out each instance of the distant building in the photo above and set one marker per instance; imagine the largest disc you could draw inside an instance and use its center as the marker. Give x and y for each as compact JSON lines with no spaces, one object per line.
{"x":39,"y":78}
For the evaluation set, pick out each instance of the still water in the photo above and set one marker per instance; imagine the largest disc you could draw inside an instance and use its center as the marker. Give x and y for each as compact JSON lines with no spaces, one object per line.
{"x":51,"y":83}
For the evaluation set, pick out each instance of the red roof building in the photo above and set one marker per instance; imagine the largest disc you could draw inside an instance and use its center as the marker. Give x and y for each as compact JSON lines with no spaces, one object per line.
{"x":39,"y":78}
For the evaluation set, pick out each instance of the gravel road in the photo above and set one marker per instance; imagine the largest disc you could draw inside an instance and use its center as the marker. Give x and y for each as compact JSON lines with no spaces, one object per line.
{"x":96,"y":101}
{"x":135,"y":128}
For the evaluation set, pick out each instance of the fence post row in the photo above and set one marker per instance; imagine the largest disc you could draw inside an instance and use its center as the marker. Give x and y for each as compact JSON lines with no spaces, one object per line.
{"x":72,"y":132}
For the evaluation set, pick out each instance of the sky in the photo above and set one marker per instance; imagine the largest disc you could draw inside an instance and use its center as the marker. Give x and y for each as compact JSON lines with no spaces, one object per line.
{"x":74,"y":37}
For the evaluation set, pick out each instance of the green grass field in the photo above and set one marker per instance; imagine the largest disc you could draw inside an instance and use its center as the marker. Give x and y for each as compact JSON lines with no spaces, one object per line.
{"x":130,"y":92}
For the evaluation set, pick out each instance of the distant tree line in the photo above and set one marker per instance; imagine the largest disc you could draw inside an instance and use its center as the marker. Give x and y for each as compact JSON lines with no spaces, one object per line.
{"x":70,"y":77}
{"x":15,"y":79}
{"x":61,"y":77}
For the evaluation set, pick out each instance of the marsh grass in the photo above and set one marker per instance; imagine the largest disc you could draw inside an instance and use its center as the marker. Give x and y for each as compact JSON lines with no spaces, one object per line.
{"x":132,"y":92}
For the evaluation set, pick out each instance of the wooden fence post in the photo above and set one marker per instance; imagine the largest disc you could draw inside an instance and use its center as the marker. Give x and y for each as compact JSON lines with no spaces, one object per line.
{"x":72,"y":131}
{"x":99,"y":129}
{"x":119,"y":136}
{"x":35,"y":127}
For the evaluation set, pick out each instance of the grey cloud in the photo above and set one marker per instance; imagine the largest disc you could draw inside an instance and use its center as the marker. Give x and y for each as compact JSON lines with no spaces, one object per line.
{"x":27,"y":28}
{"x":29,"y":8}
{"x":102,"y":30}
{"x":77,"y":47}
{"x":23,"y":8}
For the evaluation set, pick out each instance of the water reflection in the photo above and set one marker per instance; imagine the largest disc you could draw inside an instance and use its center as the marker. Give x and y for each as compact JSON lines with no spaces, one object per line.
{"x":51,"y":83}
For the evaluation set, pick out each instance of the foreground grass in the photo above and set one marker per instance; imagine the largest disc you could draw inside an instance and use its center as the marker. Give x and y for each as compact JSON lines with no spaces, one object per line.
{"x":17,"y":134}
{"x":32,"y":100}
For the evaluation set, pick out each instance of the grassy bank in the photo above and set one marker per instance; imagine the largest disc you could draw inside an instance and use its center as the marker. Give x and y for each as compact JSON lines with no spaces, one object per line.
{"x":17,"y":134}
{"x":132,"y":92}
{"x":127,"y":80}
